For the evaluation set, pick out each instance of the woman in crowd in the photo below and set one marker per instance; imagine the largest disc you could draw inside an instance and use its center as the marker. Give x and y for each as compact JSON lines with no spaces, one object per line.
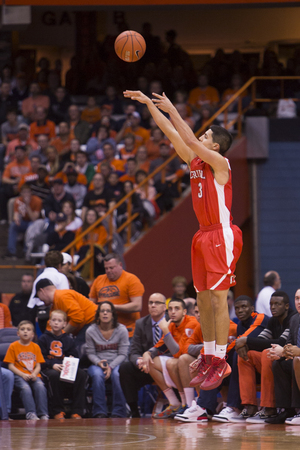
{"x":73,"y":221}
{"x":107,"y":346}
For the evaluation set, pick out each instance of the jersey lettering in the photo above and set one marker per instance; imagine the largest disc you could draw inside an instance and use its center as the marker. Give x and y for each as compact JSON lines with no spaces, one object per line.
{"x":56,"y":349}
{"x":200,"y":193}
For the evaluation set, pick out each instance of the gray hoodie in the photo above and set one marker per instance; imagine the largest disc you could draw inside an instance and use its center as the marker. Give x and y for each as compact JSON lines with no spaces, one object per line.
{"x":113,"y":350}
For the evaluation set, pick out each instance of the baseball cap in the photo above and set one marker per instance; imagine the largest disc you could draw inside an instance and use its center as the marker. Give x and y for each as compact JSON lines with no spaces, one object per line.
{"x":23,"y":126}
{"x":67,"y":258}
{"x":41,"y":284}
{"x":61,"y":217}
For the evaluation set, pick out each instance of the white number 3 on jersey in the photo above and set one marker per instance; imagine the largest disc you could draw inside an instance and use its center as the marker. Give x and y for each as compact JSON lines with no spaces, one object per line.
{"x":200,"y":190}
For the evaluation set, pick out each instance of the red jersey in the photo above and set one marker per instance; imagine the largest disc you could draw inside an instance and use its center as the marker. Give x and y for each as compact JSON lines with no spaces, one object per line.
{"x":211,"y":200}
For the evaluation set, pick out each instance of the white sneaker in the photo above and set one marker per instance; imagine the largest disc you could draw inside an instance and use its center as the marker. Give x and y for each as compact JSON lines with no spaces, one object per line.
{"x":225,"y":415}
{"x":293,"y":420}
{"x":31,"y":416}
{"x":45,"y":417}
{"x":194,"y":414}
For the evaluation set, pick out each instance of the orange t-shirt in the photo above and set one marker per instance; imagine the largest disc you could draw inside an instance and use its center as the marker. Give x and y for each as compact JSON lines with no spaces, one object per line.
{"x":29,"y":104}
{"x":117,"y":165}
{"x":36,"y":204}
{"x":127,"y":177}
{"x":24,"y":357}
{"x":5,"y":316}
{"x":199,"y":96}
{"x":91,"y":115}
{"x":81,"y":178}
{"x":79,"y":309}
{"x":48,"y":129}
{"x":16,"y":170}
{"x":97,"y":236}
{"x":119,"y":292}
{"x":141,"y":135}
{"x":27,"y":178}
{"x":59,"y":145}
{"x":10,"y":149}
{"x":181,"y":333}
{"x":126,"y":155}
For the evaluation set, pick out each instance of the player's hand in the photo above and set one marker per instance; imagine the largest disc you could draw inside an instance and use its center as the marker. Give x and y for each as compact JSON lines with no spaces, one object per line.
{"x":275,"y":352}
{"x":137,"y":95}
{"x":162,"y":102}
{"x":147,"y":361}
{"x":57,"y":367}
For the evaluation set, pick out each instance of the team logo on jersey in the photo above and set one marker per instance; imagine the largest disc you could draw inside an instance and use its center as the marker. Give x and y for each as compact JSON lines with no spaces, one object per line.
{"x":189,"y":332}
{"x":109,"y":292}
{"x":27,"y":359}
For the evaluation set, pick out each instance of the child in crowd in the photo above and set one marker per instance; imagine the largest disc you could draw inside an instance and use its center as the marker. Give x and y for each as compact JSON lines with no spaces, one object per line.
{"x":55,"y":345}
{"x":24,"y":359}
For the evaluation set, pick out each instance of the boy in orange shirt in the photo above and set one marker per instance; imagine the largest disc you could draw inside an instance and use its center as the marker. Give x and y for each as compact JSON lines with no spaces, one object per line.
{"x":24,"y":359}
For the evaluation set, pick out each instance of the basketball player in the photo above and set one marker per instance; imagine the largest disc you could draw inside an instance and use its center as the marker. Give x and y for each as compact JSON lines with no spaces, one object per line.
{"x":217,"y":245}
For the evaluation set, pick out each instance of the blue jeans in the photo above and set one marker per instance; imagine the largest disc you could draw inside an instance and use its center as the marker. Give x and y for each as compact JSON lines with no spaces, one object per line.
{"x":98,"y":388}
{"x":33,"y":395}
{"x":14,"y":230}
{"x":8,"y":385}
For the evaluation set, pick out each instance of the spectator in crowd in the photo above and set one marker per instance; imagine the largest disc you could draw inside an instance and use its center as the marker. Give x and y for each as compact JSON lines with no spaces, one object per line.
{"x":128,"y":148}
{"x":18,"y":305}
{"x":94,"y":146}
{"x":32,"y":175}
{"x":42,"y":125}
{"x":24,"y":359}
{"x":203,"y":94}
{"x":81,"y":285}
{"x":20,"y":91}
{"x":55,"y":345}
{"x":107,"y":347}
{"x":40,"y":186}
{"x":236,"y":84}
{"x":183,"y":110}
{"x":91,"y":113}
{"x":83,"y":165}
{"x":132,"y":125}
{"x":79,"y":129}
{"x":99,"y":196}
{"x":27,"y":209}
{"x":23,"y":139}
{"x":53,"y":203}
{"x":6,"y":101}
{"x":153,"y":143}
{"x":123,"y":289}
{"x":132,"y":205}
{"x":253,"y":356}
{"x":109,"y":156}
{"x":70,"y":156}
{"x":5,"y":317}
{"x":43,"y":144}
{"x":73,"y":187}
{"x":62,"y":142}
{"x":73,"y":221}
{"x":60,"y":237}
{"x":142,"y":160}
{"x":59,"y":105}
{"x":179,"y":285}
{"x":170,"y":346}
{"x":114,"y":186}
{"x":147,"y":193}
{"x":112,"y":99}
{"x":272,"y":282}
{"x":131,"y":168}
{"x":146,"y":334}
{"x":10,"y":128}
{"x":34,"y":100}
{"x":53,"y":165}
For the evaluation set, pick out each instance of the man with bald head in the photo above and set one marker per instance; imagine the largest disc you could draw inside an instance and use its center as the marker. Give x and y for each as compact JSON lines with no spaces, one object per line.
{"x":272,"y":282}
{"x":147,"y":333}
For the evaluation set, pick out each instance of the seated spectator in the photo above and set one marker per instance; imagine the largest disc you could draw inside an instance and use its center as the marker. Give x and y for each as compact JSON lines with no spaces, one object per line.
{"x":99,"y":195}
{"x":74,"y":187}
{"x":105,"y":170}
{"x":10,"y":128}
{"x":34,"y":100}
{"x":62,"y":142}
{"x":203,"y":94}
{"x":142,"y":160}
{"x":53,"y":203}
{"x":147,"y":194}
{"x":179,"y":285}
{"x":109,"y":157}
{"x":6,"y":101}
{"x":42,"y":125}
{"x":5,"y":317}
{"x":20,"y":91}
{"x":32,"y":175}
{"x":18,"y":305}
{"x":97,"y":237}
{"x":40,"y":187}
{"x":59,"y":105}
{"x":107,"y":121}
{"x":183,"y":110}
{"x":236,"y":84}
{"x":73,"y":221}
{"x":79,"y":129}
{"x":129,"y":207}
{"x":153,"y":143}
{"x":112,"y":99}
{"x":22,"y":139}
{"x":131,"y":168}
{"x":70,"y":156}
{"x":91,"y":113}
{"x":53,"y":164}
{"x":94,"y":146}
{"x":64,"y":346}
{"x":128,"y":149}
{"x":107,"y":346}
{"x":60,"y":237}
{"x":27,"y":209}
{"x":43,"y":144}
{"x":24,"y":359}
{"x":83,"y":166}
{"x":114,"y":186}
{"x":133,"y":126}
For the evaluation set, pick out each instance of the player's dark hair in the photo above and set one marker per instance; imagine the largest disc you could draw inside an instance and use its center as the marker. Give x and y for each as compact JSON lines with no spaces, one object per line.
{"x":244,"y":298}
{"x":222,"y":137}
{"x":113,"y":310}
{"x":282,"y":294}
{"x":270,"y":278}
{"x":178,"y":300}
{"x":53,"y":258}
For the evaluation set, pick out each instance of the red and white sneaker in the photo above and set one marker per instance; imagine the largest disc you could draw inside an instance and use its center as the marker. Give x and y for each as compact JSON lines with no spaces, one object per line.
{"x":202,"y":365}
{"x":219,"y":370}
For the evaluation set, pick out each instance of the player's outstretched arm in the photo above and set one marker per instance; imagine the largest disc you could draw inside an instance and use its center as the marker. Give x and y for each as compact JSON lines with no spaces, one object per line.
{"x":214,"y":159}
{"x":165,"y":125}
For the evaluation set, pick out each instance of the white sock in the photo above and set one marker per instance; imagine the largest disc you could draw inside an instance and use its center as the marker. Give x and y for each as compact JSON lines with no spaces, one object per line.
{"x":171,"y":396}
{"x":221,"y":351}
{"x":183,"y":399}
{"x":189,"y":395}
{"x":209,"y":348}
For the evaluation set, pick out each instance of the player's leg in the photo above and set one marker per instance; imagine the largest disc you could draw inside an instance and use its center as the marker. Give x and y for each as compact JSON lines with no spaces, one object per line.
{"x":222,"y":321}
{"x":206,"y":316}
{"x":184,"y":373}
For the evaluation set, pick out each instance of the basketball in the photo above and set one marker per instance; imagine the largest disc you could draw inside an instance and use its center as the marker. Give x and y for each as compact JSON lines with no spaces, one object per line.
{"x":130,"y":46}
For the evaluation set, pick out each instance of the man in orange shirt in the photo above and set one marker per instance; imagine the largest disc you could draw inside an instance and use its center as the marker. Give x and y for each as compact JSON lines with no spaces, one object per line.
{"x":30,"y":104}
{"x":122,"y":288}
{"x":203,"y":94}
{"x":62,"y":142}
{"x":117,"y":165}
{"x":42,"y":125}
{"x":22,"y":139}
{"x":5,"y":316}
{"x":132,"y":125}
{"x":79,"y":309}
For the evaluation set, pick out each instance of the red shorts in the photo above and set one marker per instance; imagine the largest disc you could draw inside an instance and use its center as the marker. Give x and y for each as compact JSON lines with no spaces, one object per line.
{"x":215,"y":251}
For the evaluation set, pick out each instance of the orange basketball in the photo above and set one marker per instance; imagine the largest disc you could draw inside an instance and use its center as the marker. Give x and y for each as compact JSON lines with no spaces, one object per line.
{"x":130,"y":46}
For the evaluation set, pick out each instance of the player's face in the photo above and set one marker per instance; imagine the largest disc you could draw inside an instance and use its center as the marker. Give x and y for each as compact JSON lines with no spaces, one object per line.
{"x":196,"y":312}
{"x":243,"y":310}
{"x":113,"y":269}
{"x":277,"y":306}
{"x":26,"y":332}
{"x":297,"y":300}
{"x":57,"y":322}
{"x":176,"y":312}
{"x":207,"y":140}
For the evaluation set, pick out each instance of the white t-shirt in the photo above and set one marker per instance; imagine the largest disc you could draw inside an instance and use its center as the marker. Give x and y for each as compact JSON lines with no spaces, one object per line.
{"x":59,"y":280}
{"x":263,"y":301}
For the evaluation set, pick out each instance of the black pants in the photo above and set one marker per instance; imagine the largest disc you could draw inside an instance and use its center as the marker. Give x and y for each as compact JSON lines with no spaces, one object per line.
{"x":61,"y":389}
{"x":287,"y":394}
{"x":132,"y":379}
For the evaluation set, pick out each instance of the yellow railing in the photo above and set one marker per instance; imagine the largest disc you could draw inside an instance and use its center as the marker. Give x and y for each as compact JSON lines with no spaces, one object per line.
{"x":71,"y":248}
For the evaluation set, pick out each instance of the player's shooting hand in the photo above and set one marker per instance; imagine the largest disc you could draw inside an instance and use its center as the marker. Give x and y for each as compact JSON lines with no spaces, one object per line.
{"x":137,"y":95}
{"x":162,"y":102}
{"x":57,"y":367}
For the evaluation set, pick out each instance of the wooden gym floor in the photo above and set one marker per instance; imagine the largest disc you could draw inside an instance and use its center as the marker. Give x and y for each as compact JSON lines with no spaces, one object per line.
{"x":147,"y":434}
